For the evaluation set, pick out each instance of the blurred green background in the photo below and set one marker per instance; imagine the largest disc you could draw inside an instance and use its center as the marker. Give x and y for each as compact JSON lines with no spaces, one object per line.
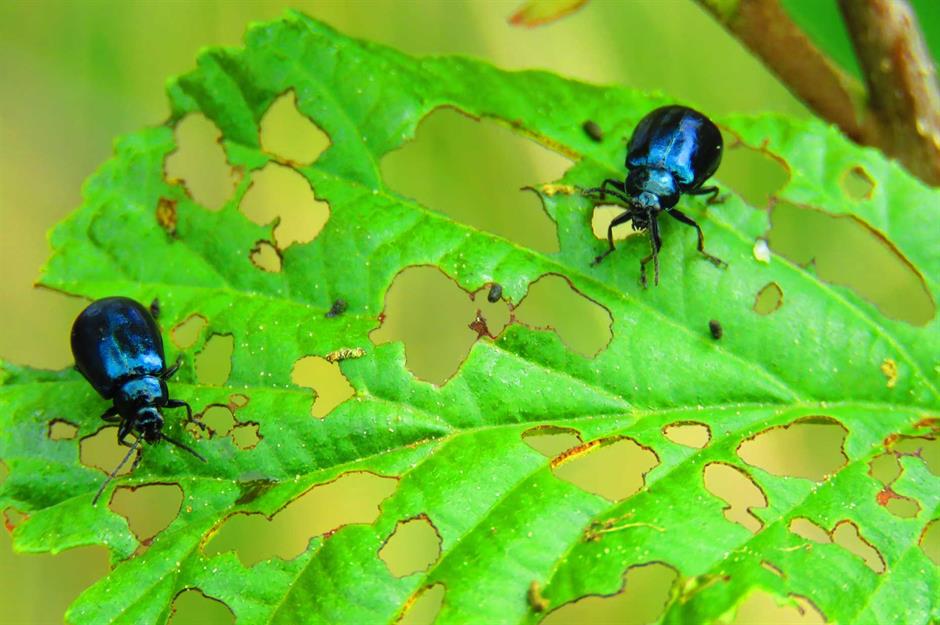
{"x":78,"y":74}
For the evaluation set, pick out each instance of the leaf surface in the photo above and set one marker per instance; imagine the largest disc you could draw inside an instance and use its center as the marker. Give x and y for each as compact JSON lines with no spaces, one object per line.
{"x":505,"y":520}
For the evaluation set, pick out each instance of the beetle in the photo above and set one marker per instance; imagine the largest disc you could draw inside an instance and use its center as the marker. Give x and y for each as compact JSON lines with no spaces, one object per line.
{"x":118,"y":348}
{"x":673,"y":151}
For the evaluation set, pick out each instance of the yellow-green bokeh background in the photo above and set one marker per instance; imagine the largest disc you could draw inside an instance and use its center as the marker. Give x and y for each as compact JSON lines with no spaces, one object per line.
{"x":78,"y":74}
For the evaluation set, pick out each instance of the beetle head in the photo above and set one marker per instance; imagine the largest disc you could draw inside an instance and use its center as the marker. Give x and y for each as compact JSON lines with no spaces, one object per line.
{"x":148,"y":421}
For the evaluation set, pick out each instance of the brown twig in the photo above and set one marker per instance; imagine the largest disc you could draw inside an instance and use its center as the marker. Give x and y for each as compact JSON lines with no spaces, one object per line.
{"x":897,"y":113}
{"x":902,"y":81}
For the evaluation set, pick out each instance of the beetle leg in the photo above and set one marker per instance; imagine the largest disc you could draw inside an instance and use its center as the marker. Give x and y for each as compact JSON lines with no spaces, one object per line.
{"x":713,"y":191}
{"x":111,"y":415}
{"x":656,"y":242}
{"x":680,"y":216}
{"x":622,"y":218}
{"x":179,"y":403}
{"x":168,"y":373}
{"x":619,"y":191}
{"x":124,"y":430}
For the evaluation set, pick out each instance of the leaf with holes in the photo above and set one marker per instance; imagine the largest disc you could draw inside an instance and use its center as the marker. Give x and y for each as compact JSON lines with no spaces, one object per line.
{"x":520,"y":533}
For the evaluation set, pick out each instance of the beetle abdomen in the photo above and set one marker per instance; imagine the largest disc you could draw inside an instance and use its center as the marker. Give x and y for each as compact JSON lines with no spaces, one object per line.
{"x":115,"y":339}
{"x":679,"y":140}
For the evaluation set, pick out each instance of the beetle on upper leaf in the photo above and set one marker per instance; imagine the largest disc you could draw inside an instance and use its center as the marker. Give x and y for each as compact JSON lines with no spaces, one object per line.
{"x":672,"y":152}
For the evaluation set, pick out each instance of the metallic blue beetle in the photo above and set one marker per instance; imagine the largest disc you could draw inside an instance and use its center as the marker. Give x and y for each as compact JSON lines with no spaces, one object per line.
{"x":118,"y":348}
{"x":673,"y":151}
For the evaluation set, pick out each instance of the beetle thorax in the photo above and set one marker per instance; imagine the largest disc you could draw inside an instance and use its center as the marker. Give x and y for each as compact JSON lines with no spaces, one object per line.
{"x":652,"y":189}
{"x":146,"y":390}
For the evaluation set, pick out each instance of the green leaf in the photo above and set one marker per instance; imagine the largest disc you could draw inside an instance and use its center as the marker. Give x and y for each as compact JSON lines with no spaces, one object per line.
{"x":504,"y":518}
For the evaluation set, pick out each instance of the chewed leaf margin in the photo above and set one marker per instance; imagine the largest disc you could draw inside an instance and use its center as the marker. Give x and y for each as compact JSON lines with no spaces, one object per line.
{"x":504,"y":520}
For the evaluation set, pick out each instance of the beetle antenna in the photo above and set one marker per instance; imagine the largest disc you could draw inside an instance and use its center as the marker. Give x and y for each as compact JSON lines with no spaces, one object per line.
{"x":116,"y":469}
{"x":182,"y":446}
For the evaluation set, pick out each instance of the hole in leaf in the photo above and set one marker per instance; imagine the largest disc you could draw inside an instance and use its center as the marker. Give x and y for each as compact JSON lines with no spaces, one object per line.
{"x":762,"y":608}
{"x":102,"y":451}
{"x":930,"y":541}
{"x":199,"y":162}
{"x":492,"y":164}
{"x":768,"y":299}
{"x":898,"y":505}
{"x":326,"y":379}
{"x":60,"y":429}
{"x":739,"y":491}
{"x":688,"y":433}
{"x":424,"y":605}
{"x":753,"y":174}
{"x":265,"y":257}
{"x":281,"y":193}
{"x":885,"y":468}
{"x":924,"y":447}
{"x":414,"y":546}
{"x":614,"y":468}
{"x":551,"y":303}
{"x":192,"y":607}
{"x":858,"y":184}
{"x":641,"y":599}
{"x":351,"y":498}
{"x":846,"y":535}
{"x":430,"y":314}
{"x":805,"y":528}
{"x":219,"y":419}
{"x":550,"y":440}
{"x":148,"y":509}
{"x":290,"y":135}
{"x":809,"y":448}
{"x":214,"y":362}
{"x":603,"y":215}
{"x":237,"y":400}
{"x":63,"y":577}
{"x":187,"y":332}
{"x":246,"y":436}
{"x":848,"y":252}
